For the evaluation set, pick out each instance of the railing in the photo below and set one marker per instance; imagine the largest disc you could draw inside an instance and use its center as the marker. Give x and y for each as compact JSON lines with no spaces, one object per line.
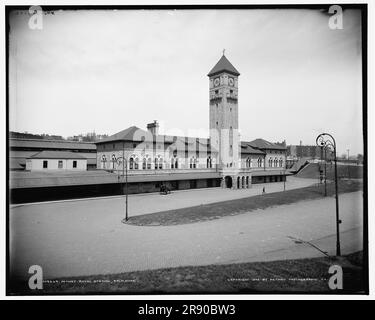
{"x":190,"y":170}
{"x":165,"y":171}
{"x":215,"y":96}
{"x":232,"y":96}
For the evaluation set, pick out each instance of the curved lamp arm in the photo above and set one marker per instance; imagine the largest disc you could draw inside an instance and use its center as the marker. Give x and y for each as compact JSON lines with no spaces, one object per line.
{"x":325,"y":139}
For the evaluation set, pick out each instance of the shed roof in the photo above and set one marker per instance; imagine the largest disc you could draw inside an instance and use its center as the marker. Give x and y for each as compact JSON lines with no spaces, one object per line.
{"x":22,"y":179}
{"x":50,"y":144}
{"x":56,"y":155}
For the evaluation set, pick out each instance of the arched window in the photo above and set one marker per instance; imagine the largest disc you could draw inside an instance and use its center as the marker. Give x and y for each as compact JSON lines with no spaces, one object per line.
{"x":131,"y":163}
{"x":193,"y":162}
{"x":156,"y":163}
{"x":160,"y":163}
{"x":144,"y":163}
{"x":260,"y":162}
{"x":281,"y":162}
{"x":149,"y":164}
{"x":174,"y":163}
{"x":231,"y":141}
{"x":104,"y":160}
{"x":276,"y":162}
{"x":270,"y":162}
{"x":113,"y":159}
{"x":248,"y":162}
{"x":209,"y":162}
{"x":136,"y":166}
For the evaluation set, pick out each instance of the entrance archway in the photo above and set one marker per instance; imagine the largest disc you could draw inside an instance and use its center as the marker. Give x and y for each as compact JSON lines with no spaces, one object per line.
{"x":228,"y":182}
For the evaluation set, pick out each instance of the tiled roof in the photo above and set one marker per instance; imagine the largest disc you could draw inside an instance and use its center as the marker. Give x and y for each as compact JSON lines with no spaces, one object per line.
{"x":264,"y":144}
{"x":130,"y":134}
{"x":56,"y":155}
{"x":247,"y":148}
{"x":138,"y":135}
{"x":223,"y":65}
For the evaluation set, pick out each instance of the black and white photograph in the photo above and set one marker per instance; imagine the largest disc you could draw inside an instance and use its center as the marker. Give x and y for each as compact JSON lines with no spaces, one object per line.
{"x":196,"y":149}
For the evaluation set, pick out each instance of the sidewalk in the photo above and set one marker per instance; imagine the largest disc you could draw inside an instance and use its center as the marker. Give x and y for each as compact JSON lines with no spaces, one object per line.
{"x":154,"y":202}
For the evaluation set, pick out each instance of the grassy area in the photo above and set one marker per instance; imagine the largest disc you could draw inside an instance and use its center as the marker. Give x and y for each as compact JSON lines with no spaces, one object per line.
{"x":238,"y":206}
{"x":293,"y":276}
{"x":311,"y":171}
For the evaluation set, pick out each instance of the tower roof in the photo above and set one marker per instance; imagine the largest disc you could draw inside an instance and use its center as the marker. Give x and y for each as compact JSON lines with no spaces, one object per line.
{"x":223,"y":65}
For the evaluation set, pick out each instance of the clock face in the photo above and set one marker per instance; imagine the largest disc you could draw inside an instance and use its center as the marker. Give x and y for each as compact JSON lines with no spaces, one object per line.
{"x":216,"y":82}
{"x":231,"y":82}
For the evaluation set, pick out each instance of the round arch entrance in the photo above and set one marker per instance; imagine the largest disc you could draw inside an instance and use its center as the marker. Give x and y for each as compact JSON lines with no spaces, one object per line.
{"x":228,"y":182}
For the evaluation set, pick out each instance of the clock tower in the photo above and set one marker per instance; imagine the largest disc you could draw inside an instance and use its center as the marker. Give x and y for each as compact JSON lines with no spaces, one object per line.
{"x":224,"y":135}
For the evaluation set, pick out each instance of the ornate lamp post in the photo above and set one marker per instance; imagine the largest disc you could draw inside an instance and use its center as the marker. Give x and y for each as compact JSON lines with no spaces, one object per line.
{"x":326,"y":140}
{"x":122,"y":160}
{"x":325,"y":172}
{"x":348,"y":164}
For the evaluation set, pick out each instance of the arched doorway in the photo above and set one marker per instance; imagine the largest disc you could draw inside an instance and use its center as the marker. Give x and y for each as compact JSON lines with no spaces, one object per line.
{"x":228,"y":182}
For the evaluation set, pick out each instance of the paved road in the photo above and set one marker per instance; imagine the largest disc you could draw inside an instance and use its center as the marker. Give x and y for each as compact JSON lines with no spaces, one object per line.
{"x":68,"y":239}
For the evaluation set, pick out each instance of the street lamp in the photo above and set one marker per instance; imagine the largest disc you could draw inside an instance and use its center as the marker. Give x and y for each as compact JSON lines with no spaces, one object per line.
{"x":325,"y":171}
{"x":348,"y":164}
{"x":122,"y":160}
{"x":283,"y":177}
{"x":326,"y":140}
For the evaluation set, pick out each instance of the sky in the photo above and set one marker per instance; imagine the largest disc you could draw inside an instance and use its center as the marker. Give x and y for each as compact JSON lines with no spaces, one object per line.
{"x":106,"y":70}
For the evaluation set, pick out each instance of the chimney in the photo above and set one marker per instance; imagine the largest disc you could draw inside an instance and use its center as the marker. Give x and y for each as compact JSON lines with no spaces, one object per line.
{"x":153,"y":128}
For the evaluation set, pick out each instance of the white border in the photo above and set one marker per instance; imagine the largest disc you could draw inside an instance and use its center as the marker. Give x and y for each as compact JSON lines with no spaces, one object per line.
{"x":371,"y":143}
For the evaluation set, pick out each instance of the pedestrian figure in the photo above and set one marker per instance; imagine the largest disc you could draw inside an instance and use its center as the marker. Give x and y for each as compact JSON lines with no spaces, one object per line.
{"x":264,"y":190}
